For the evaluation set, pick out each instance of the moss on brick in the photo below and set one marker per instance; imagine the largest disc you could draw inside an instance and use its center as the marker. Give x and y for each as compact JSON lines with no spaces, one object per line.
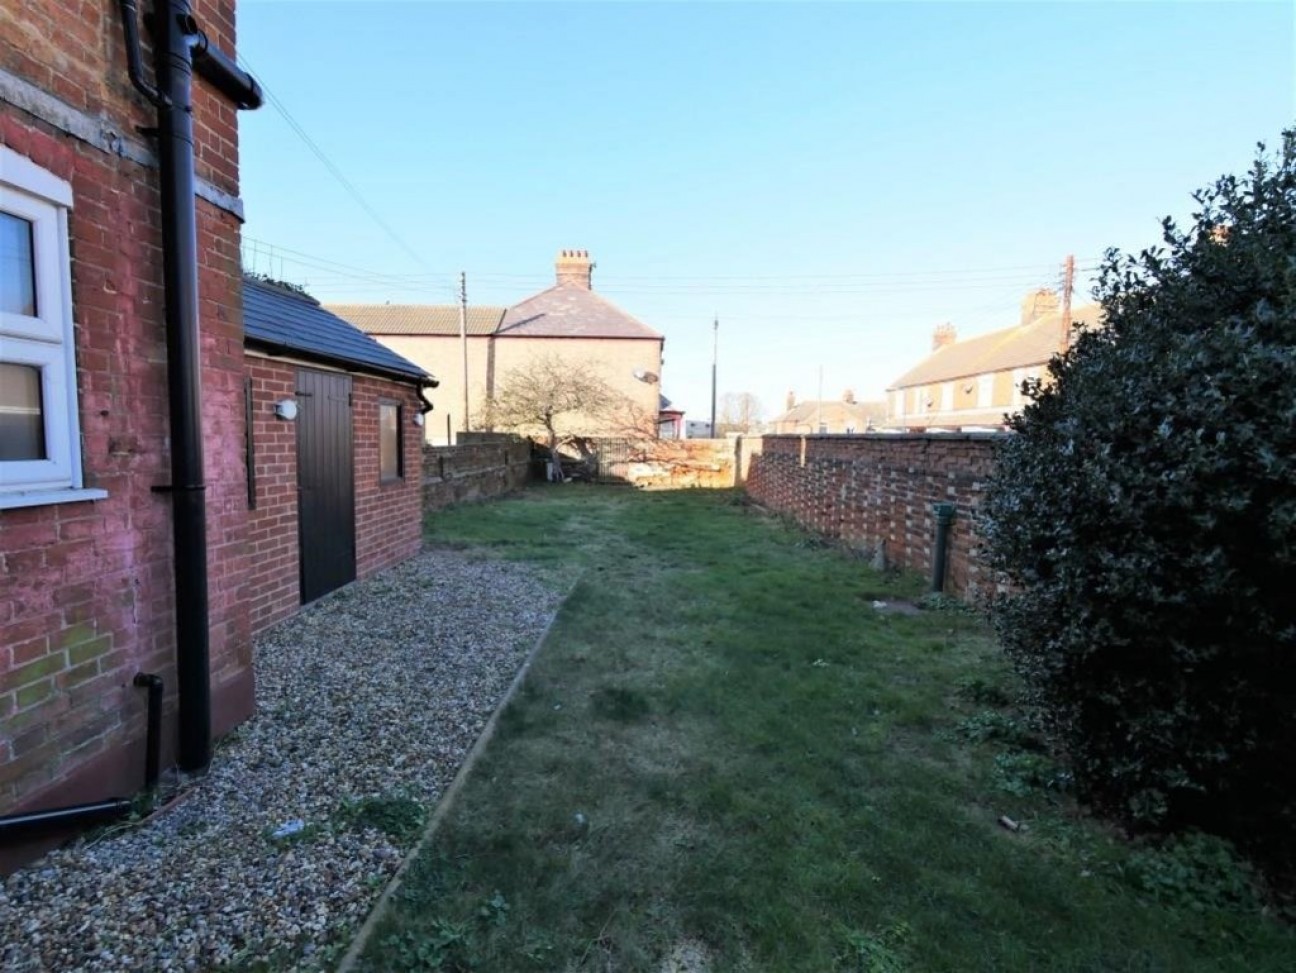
{"x":31,"y":695}
{"x":90,"y":650}
{"x":75,"y":635}
{"x":82,"y":673}
{"x":39,"y":669}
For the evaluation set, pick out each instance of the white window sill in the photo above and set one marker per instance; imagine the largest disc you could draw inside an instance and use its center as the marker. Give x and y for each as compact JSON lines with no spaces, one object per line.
{"x":40,"y":498}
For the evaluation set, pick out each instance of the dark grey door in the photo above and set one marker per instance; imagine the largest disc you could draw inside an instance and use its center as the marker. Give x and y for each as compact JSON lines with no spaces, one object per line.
{"x":325,"y":482}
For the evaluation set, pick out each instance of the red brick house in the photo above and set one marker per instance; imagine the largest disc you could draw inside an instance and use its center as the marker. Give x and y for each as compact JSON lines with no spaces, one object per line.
{"x":134,"y":544}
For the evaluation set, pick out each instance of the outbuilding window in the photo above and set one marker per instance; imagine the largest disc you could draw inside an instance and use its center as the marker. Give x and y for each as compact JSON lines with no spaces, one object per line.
{"x":391,"y":441}
{"x":40,"y":448}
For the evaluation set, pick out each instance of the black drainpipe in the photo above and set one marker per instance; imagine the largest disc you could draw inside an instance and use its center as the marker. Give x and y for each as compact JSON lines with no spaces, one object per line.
{"x":175,"y":39}
{"x":944,"y":519}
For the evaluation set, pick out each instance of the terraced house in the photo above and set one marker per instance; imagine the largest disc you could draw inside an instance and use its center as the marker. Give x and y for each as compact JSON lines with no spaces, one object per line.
{"x":974,"y":384}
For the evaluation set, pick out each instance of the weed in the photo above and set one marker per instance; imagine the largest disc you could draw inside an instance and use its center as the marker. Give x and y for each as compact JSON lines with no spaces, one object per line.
{"x":1019,"y":773}
{"x":400,"y":818}
{"x":936,"y":601}
{"x":442,"y":946}
{"x":1196,"y":871}
{"x":998,"y":726}
{"x":875,"y":952}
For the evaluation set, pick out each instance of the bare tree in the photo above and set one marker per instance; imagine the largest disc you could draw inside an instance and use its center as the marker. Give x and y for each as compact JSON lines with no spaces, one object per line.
{"x":740,"y":412}
{"x":556,"y":399}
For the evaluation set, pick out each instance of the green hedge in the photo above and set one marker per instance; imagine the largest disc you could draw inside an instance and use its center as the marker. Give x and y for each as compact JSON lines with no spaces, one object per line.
{"x":1145,"y":514}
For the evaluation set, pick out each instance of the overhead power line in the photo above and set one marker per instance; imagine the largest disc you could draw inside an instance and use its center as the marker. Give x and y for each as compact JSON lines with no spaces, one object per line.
{"x":328,"y":163}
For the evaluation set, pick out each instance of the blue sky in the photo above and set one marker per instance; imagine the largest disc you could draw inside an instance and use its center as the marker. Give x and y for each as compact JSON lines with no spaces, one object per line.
{"x":832,"y":180}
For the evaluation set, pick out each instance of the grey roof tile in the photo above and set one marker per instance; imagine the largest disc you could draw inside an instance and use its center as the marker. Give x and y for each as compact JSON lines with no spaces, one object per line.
{"x":571,"y":311}
{"x":278,"y":318}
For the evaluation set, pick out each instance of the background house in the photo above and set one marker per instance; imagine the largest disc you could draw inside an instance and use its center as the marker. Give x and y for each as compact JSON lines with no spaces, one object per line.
{"x":569,"y":320}
{"x":974,"y":383}
{"x":837,"y":416}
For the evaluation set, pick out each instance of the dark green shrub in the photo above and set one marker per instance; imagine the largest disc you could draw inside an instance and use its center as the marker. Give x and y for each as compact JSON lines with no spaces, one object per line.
{"x":1145,"y":515}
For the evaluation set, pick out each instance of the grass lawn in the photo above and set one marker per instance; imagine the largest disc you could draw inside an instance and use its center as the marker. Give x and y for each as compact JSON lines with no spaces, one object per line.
{"x":725,"y":758}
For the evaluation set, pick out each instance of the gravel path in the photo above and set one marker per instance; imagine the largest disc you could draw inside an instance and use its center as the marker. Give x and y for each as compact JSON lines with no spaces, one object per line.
{"x":378,"y":691}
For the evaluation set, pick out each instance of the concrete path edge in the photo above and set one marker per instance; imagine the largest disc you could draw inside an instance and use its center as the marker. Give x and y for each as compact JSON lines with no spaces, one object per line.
{"x":352,"y":956}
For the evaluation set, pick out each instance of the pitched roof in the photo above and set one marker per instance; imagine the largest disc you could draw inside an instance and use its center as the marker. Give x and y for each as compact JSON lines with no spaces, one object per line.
{"x":286,"y":321}
{"x":1017,"y":347}
{"x":833,"y":411}
{"x":418,"y":319}
{"x":571,"y":311}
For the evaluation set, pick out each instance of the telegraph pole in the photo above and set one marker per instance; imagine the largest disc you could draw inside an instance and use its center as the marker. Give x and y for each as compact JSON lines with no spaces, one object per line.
{"x":463,"y":343}
{"x":1068,"y":284}
{"x":819,"y":404}
{"x":715,"y":358}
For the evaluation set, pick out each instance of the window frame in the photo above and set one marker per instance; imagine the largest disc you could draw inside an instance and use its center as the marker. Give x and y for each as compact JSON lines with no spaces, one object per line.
{"x":399,"y":475}
{"x":985,"y":390}
{"x":45,"y":340}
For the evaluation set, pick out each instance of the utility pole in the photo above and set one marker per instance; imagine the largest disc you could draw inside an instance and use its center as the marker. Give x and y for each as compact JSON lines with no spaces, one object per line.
{"x":1068,"y":284}
{"x":715,"y":358}
{"x":819,"y":404}
{"x":463,"y":343}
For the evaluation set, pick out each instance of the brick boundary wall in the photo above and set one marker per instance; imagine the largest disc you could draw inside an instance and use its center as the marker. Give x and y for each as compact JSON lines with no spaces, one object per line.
{"x":669,"y":464}
{"x":876,"y":492}
{"x":482,"y":467}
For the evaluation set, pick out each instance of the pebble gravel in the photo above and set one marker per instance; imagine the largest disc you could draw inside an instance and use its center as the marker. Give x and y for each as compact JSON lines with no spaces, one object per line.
{"x":377,"y":690}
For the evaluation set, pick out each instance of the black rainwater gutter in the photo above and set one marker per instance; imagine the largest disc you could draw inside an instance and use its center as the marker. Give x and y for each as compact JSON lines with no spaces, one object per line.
{"x":178,"y":47}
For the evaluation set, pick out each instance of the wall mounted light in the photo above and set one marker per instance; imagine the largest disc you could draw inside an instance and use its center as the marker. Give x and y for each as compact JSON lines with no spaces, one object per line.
{"x":418,"y":418}
{"x":286,"y":409}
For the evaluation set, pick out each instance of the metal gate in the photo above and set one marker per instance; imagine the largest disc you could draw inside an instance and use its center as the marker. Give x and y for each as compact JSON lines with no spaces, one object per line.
{"x":325,"y":483}
{"x":614,"y":457}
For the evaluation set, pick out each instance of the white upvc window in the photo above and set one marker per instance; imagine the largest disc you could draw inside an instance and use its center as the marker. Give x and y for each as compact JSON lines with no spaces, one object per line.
{"x":947,"y":397}
{"x":40,"y":438}
{"x":1019,"y":376}
{"x":985,"y":391}
{"x":899,"y":403}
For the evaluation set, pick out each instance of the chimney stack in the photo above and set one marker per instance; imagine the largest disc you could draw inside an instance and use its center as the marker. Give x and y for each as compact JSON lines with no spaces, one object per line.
{"x":943,"y":335}
{"x":1038,"y":303}
{"x":575,"y":267}
{"x":849,"y":396}
{"x":791,"y":400}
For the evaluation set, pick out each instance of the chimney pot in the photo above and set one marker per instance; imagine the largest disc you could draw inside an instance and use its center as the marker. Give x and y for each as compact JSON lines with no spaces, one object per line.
{"x":791,"y":400}
{"x":943,"y":335}
{"x":849,"y":396}
{"x":574,"y":267}
{"x":1038,"y":303}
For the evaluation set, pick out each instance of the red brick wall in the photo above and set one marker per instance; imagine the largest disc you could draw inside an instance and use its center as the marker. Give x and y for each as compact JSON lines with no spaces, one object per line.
{"x":388,"y":515}
{"x":86,"y":588}
{"x":879,"y":490}
{"x":274,"y":591}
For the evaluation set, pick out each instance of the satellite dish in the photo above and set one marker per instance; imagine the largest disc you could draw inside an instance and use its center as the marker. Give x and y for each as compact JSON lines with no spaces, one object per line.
{"x":640,"y":374}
